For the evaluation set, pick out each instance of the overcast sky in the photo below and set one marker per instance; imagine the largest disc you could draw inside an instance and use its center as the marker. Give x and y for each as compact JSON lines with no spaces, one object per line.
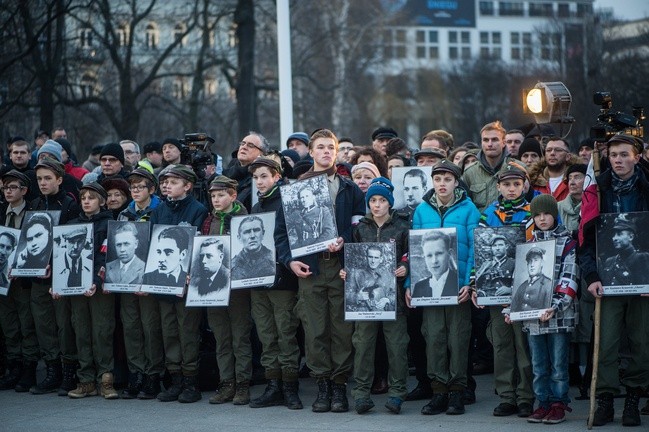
{"x":626,"y":9}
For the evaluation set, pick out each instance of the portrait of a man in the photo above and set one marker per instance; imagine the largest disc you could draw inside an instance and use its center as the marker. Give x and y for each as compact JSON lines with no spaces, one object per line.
{"x":496,"y":275}
{"x":210,"y":275}
{"x":415,"y":185}
{"x":36,"y":242}
{"x":73,"y":265}
{"x":625,"y":264}
{"x":168,"y":253}
{"x":312,"y":223}
{"x":371,"y":288}
{"x":7,"y":247}
{"x":535,"y":293}
{"x":255,"y":260}
{"x":127,"y":268}
{"x":438,"y":251}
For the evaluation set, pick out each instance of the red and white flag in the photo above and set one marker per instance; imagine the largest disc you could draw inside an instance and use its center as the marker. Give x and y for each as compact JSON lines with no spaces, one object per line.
{"x":589,"y":201}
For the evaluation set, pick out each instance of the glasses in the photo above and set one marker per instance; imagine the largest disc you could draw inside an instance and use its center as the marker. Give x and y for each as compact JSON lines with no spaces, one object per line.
{"x":249,"y":145}
{"x":555,"y":150}
{"x":108,"y":159}
{"x":137,"y":188}
{"x":130,"y":152}
{"x":513,"y":141}
{"x":12,"y":188}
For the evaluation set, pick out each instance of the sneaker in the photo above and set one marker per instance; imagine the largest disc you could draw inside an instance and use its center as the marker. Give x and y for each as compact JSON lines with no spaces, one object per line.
{"x":242,"y":393}
{"x":224,"y":393}
{"x":557,"y":413}
{"x":107,"y":389}
{"x":437,"y":405}
{"x":363,"y":405}
{"x":83,"y":389}
{"x":394,"y":404}
{"x":538,"y":415}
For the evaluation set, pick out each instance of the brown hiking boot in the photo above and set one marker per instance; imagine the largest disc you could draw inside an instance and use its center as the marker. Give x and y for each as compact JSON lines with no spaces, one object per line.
{"x":83,"y":389}
{"x":224,"y":393}
{"x":242,"y":395}
{"x":107,"y":389}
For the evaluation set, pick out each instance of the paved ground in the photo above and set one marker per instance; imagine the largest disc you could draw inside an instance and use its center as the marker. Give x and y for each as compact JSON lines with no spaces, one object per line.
{"x":28,"y":413}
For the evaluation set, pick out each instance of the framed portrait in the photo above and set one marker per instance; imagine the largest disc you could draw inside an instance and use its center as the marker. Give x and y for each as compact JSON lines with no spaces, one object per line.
{"x":310,"y":221}
{"x":8,"y":244}
{"x":168,"y":261}
{"x":370,"y":284}
{"x":35,"y":243}
{"x":128,"y":243}
{"x":253,"y":250}
{"x":495,"y":255}
{"x":623,"y":253}
{"x":209,"y":283}
{"x":410,"y":185}
{"x":433,"y":267}
{"x":73,"y":261}
{"x":533,"y":280}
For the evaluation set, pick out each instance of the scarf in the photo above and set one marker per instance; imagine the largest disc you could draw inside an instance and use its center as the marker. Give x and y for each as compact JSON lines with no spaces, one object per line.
{"x":311,"y":173}
{"x":223,"y":215}
{"x":507,"y":208}
{"x":620,"y":186}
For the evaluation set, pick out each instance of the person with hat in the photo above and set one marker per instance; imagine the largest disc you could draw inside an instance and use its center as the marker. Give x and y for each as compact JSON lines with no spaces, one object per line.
{"x":273,"y":308}
{"x":447,"y":329}
{"x":381,"y":224}
{"x":481,"y":178}
{"x":299,"y":142}
{"x":512,"y":368}
{"x":171,"y":151}
{"x":429,"y":156}
{"x":142,"y":186}
{"x":56,"y":345}
{"x":53,"y":150}
{"x":16,"y":319}
{"x":496,"y":275}
{"x":231,"y":325}
{"x":530,"y":151}
{"x":180,"y":325}
{"x":92,"y":161}
{"x":112,"y":162}
{"x":570,"y":206}
{"x":119,"y":194}
{"x":585,"y":150}
{"x":153,"y":153}
{"x":624,"y":188}
{"x":549,"y":336}
{"x":363,"y":173}
{"x":380,"y":138}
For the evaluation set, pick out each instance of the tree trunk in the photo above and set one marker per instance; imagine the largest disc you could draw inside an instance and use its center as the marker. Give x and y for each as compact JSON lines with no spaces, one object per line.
{"x":244,"y":17}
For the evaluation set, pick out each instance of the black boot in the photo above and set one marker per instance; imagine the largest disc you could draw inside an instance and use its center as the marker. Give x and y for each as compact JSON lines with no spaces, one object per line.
{"x":339,"y":402}
{"x":52,"y":380}
{"x":28,"y":377}
{"x":135,"y":383}
{"x":291,"y":396}
{"x":191,"y":393}
{"x":70,"y":380}
{"x":323,"y":400}
{"x":174,"y":390}
{"x":631,"y":413}
{"x":605,"y":410}
{"x":272,"y":395}
{"x":9,"y":381}
{"x":151,"y":387}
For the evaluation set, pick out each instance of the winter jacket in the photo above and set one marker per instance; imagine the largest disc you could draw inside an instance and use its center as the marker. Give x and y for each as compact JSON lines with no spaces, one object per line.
{"x":59,"y":201}
{"x":481,"y":180}
{"x":186,"y":211}
{"x":461,"y":215}
{"x":539,"y":178}
{"x":566,"y":284}
{"x":99,"y":223}
{"x":75,"y":171}
{"x":218,"y":223}
{"x":130,"y":214}
{"x":509,"y":213}
{"x":569,"y":213}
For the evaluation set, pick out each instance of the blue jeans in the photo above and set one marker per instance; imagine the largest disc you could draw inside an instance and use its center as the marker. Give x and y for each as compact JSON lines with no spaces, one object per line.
{"x":549,"y":354}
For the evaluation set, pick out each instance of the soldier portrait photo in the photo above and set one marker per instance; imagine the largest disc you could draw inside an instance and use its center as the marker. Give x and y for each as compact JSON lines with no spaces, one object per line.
{"x":310,"y":221}
{"x":410,"y":185}
{"x":253,"y":250}
{"x":209,"y":283}
{"x":35,"y":244}
{"x":623,"y":253}
{"x":126,"y":255}
{"x":370,"y":285}
{"x":495,"y":250}
{"x":8,"y":243}
{"x":73,"y":259}
{"x":433,"y":267}
{"x":533,"y":279}
{"x":168,"y":259}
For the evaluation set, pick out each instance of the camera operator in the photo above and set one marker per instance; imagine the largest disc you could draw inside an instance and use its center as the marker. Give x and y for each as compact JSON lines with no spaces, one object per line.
{"x":250,"y":148}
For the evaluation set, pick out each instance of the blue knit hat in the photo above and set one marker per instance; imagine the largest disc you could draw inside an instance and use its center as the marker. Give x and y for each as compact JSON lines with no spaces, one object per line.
{"x":380,"y":186}
{"x":53,"y":148}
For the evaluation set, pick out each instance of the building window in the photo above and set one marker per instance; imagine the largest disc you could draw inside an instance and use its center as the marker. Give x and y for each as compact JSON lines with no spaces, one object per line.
{"x":210,"y":86}
{"x":180,"y":88}
{"x":232,"y":36}
{"x":510,"y":9}
{"x":427,"y":44}
{"x":179,"y":34}
{"x":459,"y":44}
{"x":394,"y":44}
{"x":122,"y":35}
{"x":152,"y":36}
{"x":490,"y":45}
{"x":584,"y":9}
{"x":85,"y":37}
{"x":541,"y":9}
{"x":550,"y":46}
{"x":486,"y":8}
{"x":88,"y":85}
{"x":521,"y":45}
{"x":563,"y":10}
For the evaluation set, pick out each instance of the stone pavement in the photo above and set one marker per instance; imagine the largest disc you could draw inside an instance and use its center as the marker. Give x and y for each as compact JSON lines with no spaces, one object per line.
{"x":28,"y":413}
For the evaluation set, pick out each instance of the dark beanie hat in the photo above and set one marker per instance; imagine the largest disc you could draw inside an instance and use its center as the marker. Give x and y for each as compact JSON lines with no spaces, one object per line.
{"x":576,"y":168}
{"x":115,"y":150}
{"x":172,"y":141}
{"x":588,"y":142}
{"x":380,"y":186}
{"x":301,"y":167}
{"x":295,"y":157}
{"x":544,"y":203}
{"x":65,"y":144}
{"x":153,"y":146}
{"x":530,"y":145}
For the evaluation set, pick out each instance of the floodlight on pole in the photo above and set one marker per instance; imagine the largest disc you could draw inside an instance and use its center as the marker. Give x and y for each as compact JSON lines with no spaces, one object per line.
{"x":549,"y":102}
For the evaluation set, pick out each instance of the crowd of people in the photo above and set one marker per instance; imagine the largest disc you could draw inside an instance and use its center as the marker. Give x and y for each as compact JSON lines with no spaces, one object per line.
{"x":531,"y":179}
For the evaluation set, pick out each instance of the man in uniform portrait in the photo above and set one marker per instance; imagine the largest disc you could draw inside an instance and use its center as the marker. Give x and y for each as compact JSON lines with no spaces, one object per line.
{"x":313,"y":223}
{"x":372,"y":288}
{"x":496,"y":276}
{"x":536,"y":292}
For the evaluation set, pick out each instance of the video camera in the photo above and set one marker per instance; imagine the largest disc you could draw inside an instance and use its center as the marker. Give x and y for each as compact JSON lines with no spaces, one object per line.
{"x":197,"y":153}
{"x":611,"y":122}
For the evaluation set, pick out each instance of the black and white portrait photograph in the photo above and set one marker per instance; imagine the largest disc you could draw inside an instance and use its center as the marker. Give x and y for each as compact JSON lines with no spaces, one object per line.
{"x":72,"y":264}
{"x":623,"y":253}
{"x":495,"y":254}
{"x":8,"y":243}
{"x":253,"y":250}
{"x":433,"y":267}
{"x":168,"y":261}
{"x":128,"y":243}
{"x":370,"y":283}
{"x":35,"y":243}
{"x":310,"y":220}
{"x":410,"y":185}
{"x":533,"y":280}
{"x":209,"y":283}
